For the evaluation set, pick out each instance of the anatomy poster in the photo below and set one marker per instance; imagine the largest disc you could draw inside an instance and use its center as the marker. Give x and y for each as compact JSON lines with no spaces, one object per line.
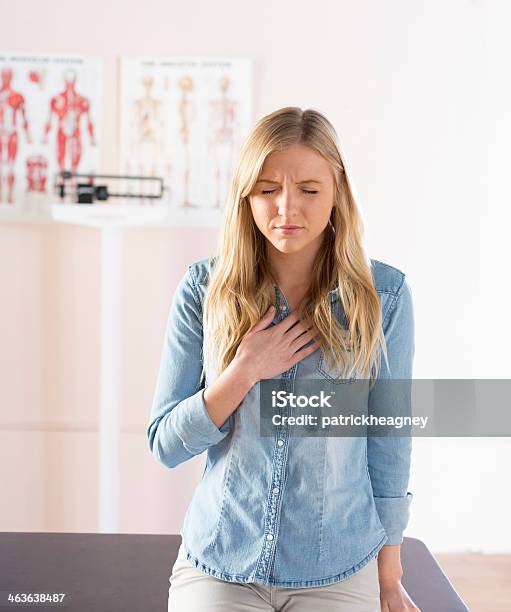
{"x":50,"y":111}
{"x":184,"y":119}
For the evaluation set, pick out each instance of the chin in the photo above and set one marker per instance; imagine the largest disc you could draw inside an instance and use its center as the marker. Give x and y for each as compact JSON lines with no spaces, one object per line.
{"x":289,"y":246}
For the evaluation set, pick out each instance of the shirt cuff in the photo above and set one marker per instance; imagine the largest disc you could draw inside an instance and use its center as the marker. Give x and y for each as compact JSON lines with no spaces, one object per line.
{"x":394,"y":513}
{"x":193,"y":425}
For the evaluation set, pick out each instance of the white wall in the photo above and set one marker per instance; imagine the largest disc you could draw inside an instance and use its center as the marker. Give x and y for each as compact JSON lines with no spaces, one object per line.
{"x":413,"y":95}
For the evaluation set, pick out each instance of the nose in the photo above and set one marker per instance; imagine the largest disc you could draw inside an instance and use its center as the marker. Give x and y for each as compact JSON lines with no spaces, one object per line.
{"x":287,"y":204}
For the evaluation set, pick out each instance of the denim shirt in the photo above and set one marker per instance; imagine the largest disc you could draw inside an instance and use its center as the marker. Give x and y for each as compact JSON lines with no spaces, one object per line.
{"x":284,"y":510}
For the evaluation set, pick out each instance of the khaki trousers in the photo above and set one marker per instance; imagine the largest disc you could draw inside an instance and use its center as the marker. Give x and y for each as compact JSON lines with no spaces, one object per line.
{"x":191,"y":590}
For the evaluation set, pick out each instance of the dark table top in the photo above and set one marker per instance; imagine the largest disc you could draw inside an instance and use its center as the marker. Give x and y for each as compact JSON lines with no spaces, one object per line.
{"x":130,"y":572}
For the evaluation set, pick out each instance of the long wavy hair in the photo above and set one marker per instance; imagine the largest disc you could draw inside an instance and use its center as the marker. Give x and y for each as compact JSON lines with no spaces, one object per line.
{"x":240,"y":288}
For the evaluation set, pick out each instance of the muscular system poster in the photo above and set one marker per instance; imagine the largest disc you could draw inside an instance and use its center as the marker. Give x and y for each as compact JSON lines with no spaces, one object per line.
{"x":50,"y":116}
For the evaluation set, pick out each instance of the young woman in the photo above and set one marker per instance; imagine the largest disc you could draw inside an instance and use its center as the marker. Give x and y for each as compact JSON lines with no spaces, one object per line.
{"x":282,"y":522}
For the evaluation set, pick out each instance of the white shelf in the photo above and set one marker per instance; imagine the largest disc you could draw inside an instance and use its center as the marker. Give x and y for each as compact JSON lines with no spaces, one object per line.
{"x":10,"y":213}
{"x":100,"y":215}
{"x":108,"y":214}
{"x":94,"y":215}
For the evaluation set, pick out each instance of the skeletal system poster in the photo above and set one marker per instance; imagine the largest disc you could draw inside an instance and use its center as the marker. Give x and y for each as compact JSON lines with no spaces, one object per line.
{"x":50,"y":111}
{"x":184,"y":119}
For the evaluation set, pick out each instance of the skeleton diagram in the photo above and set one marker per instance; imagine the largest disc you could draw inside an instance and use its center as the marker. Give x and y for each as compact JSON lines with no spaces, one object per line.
{"x":12,"y":104}
{"x":69,"y":107}
{"x":223,"y":126}
{"x":146,"y":129}
{"x":187,"y":114}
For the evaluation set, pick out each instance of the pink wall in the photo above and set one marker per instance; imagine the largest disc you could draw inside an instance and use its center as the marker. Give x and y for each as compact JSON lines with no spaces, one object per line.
{"x":50,"y":376}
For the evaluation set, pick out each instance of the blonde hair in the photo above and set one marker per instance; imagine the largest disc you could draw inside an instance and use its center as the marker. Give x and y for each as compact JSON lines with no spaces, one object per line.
{"x":240,"y":288}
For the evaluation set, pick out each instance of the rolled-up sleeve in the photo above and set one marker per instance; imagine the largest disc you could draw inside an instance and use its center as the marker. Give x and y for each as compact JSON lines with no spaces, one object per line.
{"x":389,"y":456}
{"x":180,"y":426}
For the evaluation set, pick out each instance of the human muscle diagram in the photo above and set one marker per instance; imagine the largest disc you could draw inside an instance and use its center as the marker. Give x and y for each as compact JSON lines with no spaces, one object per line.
{"x":69,"y":107}
{"x":49,"y":121}
{"x":201,"y":110}
{"x":37,"y":173}
{"x":12,"y":118}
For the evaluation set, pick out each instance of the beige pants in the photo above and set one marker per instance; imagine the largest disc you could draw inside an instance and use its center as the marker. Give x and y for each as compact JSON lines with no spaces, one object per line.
{"x":191,"y":590}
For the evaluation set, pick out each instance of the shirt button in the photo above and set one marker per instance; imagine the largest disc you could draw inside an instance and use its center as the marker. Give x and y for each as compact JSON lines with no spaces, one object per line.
{"x":282,"y":307}
{"x":269,"y":536}
{"x":276,"y":489}
{"x":280,"y":442}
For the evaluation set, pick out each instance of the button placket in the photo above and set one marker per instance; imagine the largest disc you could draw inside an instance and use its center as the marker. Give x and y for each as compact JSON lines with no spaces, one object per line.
{"x":272,"y":506}
{"x":278,"y":466}
{"x":273,"y":503}
{"x":281,"y":304}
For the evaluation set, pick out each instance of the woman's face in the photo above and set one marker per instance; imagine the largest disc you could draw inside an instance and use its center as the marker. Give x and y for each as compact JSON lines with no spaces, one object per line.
{"x":295,"y":187}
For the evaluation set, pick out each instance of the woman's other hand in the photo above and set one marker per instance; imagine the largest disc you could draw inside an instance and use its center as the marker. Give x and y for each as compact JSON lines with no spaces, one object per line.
{"x":394,"y":598}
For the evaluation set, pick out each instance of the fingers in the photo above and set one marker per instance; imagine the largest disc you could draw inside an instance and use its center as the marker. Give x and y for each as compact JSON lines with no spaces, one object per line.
{"x":291,"y":321}
{"x":304,"y":352}
{"x":299,"y":330}
{"x":305,"y":337}
{"x":265,"y":320}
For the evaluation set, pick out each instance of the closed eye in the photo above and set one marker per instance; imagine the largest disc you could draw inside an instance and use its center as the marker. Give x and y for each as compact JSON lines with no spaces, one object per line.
{"x":308,"y":191}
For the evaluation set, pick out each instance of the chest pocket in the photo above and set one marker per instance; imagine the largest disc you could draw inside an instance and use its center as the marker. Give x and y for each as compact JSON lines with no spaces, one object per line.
{"x":333,"y":374}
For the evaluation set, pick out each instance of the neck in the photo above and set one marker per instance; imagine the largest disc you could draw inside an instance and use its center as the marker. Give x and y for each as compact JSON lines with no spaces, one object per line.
{"x":293,"y":271}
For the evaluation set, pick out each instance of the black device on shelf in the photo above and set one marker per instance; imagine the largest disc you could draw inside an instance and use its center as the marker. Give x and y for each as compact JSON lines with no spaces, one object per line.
{"x":89,"y":192}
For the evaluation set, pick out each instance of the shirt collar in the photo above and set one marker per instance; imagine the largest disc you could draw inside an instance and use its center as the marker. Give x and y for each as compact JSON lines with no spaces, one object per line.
{"x":333,"y":294}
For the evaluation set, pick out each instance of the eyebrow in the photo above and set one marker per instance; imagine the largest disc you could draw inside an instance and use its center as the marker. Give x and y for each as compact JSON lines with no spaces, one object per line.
{"x":298,"y":183}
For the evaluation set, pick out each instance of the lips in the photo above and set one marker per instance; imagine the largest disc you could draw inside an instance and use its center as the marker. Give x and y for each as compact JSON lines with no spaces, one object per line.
{"x":289,"y":230}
